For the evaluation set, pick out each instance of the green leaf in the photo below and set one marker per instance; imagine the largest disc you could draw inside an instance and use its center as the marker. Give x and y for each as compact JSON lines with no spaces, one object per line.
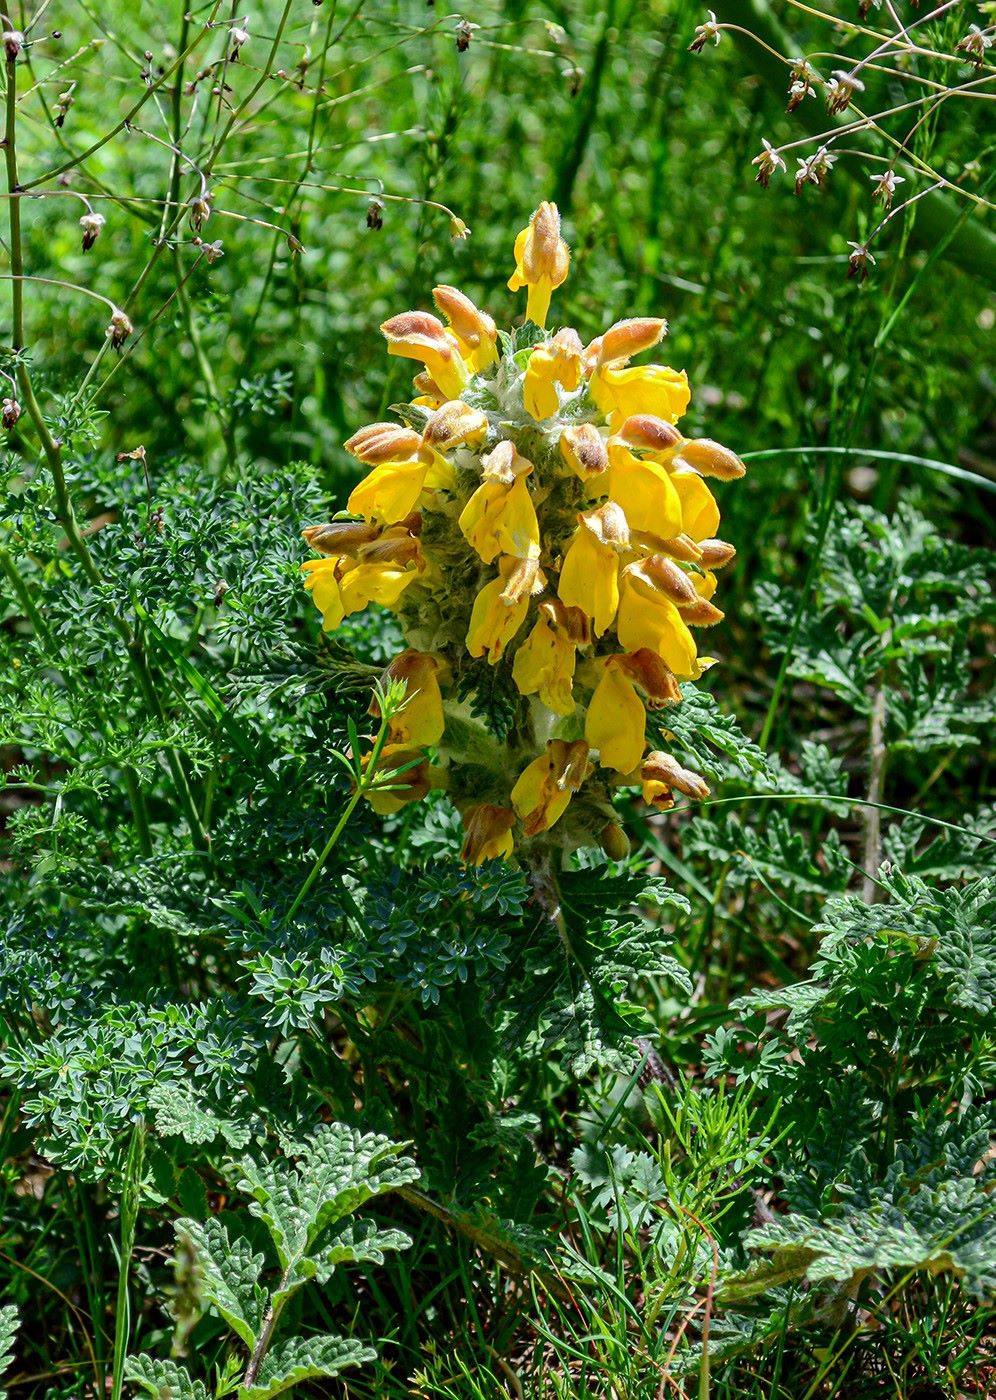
{"x":8,"y":1330}
{"x":164,"y":1380}
{"x":304,"y":1358}
{"x":229,"y":1275}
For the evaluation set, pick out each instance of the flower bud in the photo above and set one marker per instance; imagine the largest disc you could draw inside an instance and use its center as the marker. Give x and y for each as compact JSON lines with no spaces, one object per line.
{"x":474,"y":327}
{"x":384,"y":442}
{"x":664,"y":768}
{"x":200,"y":212}
{"x":608,"y":525}
{"x":120,"y":329}
{"x":583,"y":449}
{"x":10,"y":411}
{"x":542,"y":261}
{"x":670,"y":580}
{"x":653,"y":675}
{"x":91,"y":224}
{"x":340,"y":536}
{"x":614,"y":841}
{"x":710,"y":458}
{"x":13,"y":43}
{"x":701,"y":613}
{"x":375,"y":214}
{"x":417,"y":335}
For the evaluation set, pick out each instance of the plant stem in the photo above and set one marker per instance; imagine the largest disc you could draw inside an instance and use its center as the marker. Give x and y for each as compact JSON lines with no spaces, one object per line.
{"x":130,"y":1199}
{"x":53,"y":454}
{"x":877,"y":755}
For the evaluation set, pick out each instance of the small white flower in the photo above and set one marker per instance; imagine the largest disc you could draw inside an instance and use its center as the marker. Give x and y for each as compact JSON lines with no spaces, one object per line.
{"x":767,"y":163}
{"x":704,"y":32}
{"x":885,"y":186}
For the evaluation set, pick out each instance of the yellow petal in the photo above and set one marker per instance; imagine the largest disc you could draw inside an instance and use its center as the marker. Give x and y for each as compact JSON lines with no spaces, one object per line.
{"x":374,"y":583}
{"x":495,"y":621}
{"x":699,"y":511}
{"x":544,"y":665}
{"x":657,"y":390}
{"x":616,"y":722}
{"x":321,"y":581}
{"x":390,"y":492}
{"x":501,"y":519}
{"x":589,"y":579}
{"x":487,"y":833}
{"x":644,"y":491}
{"x":654,"y":622}
{"x":421,"y":720}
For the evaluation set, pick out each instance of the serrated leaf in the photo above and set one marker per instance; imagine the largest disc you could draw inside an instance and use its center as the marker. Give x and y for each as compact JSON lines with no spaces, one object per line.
{"x":229,"y":1273}
{"x":8,"y":1330}
{"x":304,"y":1358}
{"x":164,"y":1380}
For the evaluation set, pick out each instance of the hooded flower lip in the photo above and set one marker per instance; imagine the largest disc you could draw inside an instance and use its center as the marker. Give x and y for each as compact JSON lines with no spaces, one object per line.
{"x":542,"y":262}
{"x":417,"y":335}
{"x":583,"y":449}
{"x":537,"y":510}
{"x":475,"y":331}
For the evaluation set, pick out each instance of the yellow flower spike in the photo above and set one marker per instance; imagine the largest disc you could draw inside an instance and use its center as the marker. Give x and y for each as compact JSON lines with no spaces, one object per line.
{"x":644,"y":492}
{"x":555,"y":361}
{"x":417,"y":335}
{"x":542,"y":262}
{"x":383,"y":442}
{"x":583,"y":449}
{"x":589,"y":575}
{"x":545,"y":787}
{"x":454,"y":423}
{"x":500,"y":517}
{"x":421,"y":720}
{"x":657,"y":390}
{"x":699,"y":511}
{"x":661,"y":773}
{"x":500,"y":608}
{"x":648,"y":618}
{"x":544,"y":663}
{"x":390,"y":492}
{"x":616,"y":723}
{"x":410,"y":786}
{"x":487,"y":833}
{"x":474,"y":329}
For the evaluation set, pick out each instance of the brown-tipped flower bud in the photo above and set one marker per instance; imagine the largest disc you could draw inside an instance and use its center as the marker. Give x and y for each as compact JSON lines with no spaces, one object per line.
{"x":614,"y":841}
{"x":505,"y":464}
{"x":628,"y":338}
{"x":384,"y":442}
{"x":119,"y":329}
{"x":391,"y":548}
{"x":642,"y":432}
{"x":681,"y":547}
{"x":710,"y":458}
{"x":13,"y":43}
{"x":10,"y":411}
{"x":487,"y":833}
{"x":427,"y":386}
{"x":455,"y":422}
{"x":418,"y":335}
{"x":340,"y":536}
{"x":664,"y":768}
{"x":91,"y":224}
{"x":200,"y":212}
{"x":608,"y":524}
{"x":375,"y":214}
{"x":716,"y":553}
{"x":583,"y":449}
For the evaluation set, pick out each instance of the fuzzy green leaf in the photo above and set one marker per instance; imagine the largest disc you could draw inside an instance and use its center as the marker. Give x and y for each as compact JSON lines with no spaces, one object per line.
{"x":229,"y":1273}
{"x":304,"y":1358}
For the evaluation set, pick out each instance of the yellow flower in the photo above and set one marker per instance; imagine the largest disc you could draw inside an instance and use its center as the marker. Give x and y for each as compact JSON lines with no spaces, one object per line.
{"x":384,"y":442}
{"x":589,"y":576}
{"x":545,"y":786}
{"x":661,"y":773}
{"x":487,"y":833}
{"x":555,"y":361}
{"x":501,"y":606}
{"x":454,"y":423}
{"x":648,"y":618}
{"x":500,"y":517}
{"x":542,"y":262}
{"x":475,"y":331}
{"x":644,"y":492}
{"x":421,"y":720}
{"x":616,"y":723}
{"x":652,"y":389}
{"x":545,"y":662}
{"x":389,"y":492}
{"x":418,"y":336}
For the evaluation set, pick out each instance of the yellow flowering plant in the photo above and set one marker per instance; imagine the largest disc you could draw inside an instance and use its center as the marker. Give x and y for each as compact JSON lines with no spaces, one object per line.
{"x":546,"y":537}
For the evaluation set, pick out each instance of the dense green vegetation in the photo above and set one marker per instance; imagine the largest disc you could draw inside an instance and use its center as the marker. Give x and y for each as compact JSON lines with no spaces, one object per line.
{"x":280,"y":1110}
